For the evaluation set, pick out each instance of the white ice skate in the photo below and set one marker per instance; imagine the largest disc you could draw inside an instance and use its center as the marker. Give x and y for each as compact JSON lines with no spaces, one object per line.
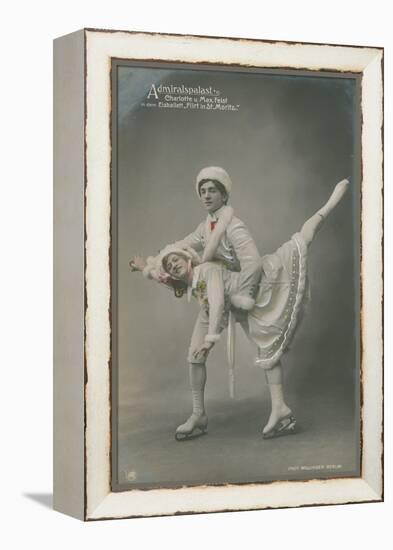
{"x":195,"y":426}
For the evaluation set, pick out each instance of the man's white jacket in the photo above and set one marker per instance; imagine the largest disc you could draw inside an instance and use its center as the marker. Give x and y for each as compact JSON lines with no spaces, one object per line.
{"x":223,"y":237}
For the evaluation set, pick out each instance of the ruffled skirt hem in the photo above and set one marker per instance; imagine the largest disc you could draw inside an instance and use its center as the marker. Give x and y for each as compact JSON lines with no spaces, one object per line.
{"x":280,"y":302}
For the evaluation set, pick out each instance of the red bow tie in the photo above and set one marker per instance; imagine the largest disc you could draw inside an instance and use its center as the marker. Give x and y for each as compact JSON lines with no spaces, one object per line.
{"x":212,"y":225}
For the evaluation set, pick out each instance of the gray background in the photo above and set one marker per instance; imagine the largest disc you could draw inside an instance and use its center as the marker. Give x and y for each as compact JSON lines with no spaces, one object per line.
{"x":292,"y":139}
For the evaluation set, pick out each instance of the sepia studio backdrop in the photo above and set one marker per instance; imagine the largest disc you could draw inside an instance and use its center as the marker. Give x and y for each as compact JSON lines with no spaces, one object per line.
{"x":285,"y":141}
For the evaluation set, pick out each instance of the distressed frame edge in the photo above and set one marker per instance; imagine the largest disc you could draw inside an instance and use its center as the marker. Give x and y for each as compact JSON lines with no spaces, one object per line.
{"x":357,"y":492}
{"x":375,"y":486}
{"x":68,"y":252}
{"x":372,"y":294}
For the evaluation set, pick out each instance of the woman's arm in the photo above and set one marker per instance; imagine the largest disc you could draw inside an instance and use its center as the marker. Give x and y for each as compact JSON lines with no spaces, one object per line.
{"x":149,"y":270}
{"x":137,"y":263}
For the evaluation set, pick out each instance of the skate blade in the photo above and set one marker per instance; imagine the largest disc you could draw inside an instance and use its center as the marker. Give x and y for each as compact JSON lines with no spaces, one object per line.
{"x":193,"y":435}
{"x":286,"y":426}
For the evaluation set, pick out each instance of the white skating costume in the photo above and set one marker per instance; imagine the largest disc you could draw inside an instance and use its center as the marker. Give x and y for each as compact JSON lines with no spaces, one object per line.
{"x":221,"y":237}
{"x":224,"y":238}
{"x":271,"y":323}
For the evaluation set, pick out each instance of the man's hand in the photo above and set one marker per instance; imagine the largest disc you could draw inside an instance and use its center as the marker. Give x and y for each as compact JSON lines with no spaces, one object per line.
{"x":137,"y":263}
{"x":202,"y":352}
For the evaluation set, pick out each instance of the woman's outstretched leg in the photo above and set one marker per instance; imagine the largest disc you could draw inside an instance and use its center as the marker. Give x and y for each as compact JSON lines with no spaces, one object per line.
{"x":198,"y":418}
{"x":281,"y":419}
{"x":312,"y":225}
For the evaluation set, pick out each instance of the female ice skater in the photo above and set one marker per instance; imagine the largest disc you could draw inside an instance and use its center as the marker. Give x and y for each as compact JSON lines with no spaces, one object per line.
{"x":270,"y":324}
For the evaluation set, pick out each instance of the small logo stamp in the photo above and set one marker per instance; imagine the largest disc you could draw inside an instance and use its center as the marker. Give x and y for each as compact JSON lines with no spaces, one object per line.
{"x":130,"y":475}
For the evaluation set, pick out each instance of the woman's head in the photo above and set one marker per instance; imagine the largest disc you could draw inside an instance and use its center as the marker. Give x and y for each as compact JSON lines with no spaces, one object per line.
{"x":177,"y":265}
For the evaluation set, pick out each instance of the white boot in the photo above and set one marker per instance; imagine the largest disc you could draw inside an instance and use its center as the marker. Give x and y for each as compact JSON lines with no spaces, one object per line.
{"x":281,"y":420}
{"x":193,"y":423}
{"x":198,"y":419}
{"x":338,"y":193}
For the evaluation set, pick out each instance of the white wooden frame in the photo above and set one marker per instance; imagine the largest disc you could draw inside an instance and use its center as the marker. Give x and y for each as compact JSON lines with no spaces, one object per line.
{"x":86,"y":491}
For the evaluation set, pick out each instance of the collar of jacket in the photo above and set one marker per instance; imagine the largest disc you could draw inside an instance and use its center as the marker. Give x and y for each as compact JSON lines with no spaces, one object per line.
{"x":224,"y":215}
{"x":215,"y":216}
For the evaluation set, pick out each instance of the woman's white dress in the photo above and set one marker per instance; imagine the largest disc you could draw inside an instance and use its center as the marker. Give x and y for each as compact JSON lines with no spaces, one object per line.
{"x":280,"y":300}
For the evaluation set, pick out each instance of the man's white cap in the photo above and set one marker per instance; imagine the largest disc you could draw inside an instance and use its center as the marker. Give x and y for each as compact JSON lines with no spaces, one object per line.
{"x":214,"y":173}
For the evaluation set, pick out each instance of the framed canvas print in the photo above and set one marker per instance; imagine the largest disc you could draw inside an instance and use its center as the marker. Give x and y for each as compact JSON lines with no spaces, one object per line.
{"x":218,"y":274}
